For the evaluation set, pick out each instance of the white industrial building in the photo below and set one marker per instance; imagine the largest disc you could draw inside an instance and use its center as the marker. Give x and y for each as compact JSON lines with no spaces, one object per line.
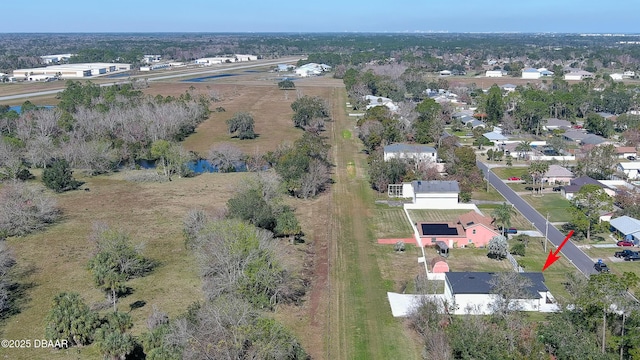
{"x":69,"y":71}
{"x":208,"y":61}
{"x":495,"y":73}
{"x":531,"y":73}
{"x":51,"y":59}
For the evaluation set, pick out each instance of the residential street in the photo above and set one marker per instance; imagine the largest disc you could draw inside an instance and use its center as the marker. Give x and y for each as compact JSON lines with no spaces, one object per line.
{"x":569,"y":251}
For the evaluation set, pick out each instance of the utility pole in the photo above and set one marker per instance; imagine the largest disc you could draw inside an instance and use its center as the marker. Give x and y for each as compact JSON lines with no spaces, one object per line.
{"x":546,"y":234}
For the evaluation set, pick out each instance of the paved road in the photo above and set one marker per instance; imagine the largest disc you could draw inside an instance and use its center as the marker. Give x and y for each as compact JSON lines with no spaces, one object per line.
{"x":160,"y":76}
{"x":576,"y":256}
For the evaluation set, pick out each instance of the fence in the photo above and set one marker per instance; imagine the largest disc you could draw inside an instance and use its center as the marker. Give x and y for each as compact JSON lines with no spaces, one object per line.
{"x":513,"y":262}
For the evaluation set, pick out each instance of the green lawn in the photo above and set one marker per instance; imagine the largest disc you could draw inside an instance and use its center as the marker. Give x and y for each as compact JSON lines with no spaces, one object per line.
{"x":557,"y":206}
{"x":507,"y":172}
{"x":469,"y":259}
{"x":391,"y":222}
{"x":435,"y":215}
{"x":555,"y":275}
{"x":517,"y":220}
{"x":491,"y":195}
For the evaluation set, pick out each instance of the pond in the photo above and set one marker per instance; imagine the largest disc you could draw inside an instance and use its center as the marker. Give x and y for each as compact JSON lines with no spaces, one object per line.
{"x":198,"y":166}
{"x":18,"y":108}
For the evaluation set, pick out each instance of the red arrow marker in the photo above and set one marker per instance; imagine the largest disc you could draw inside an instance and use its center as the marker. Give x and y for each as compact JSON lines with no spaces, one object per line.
{"x":554,"y":256}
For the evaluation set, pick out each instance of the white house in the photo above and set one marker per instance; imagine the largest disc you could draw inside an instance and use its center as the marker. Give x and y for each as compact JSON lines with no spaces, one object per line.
{"x":311,"y":69}
{"x":553,"y":124}
{"x":631,"y":169}
{"x":472,"y":292}
{"x":495,"y":73}
{"x":417,"y":152}
{"x":373,"y":101}
{"x":624,"y":152}
{"x":434,"y":194}
{"x":557,"y":175}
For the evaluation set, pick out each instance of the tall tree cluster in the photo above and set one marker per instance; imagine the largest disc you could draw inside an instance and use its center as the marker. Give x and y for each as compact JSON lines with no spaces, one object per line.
{"x":96,"y":128}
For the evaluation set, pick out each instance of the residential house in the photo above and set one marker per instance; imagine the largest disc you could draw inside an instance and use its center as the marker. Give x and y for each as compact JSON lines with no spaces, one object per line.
{"x":473,"y":292}
{"x":557,"y":175}
{"x":584,"y":138}
{"x":476,"y":124}
{"x":576,"y":184}
{"x":630,"y":169}
{"x":416,"y":152}
{"x":555,"y":124}
{"x":495,"y":137}
{"x":607,"y":115}
{"x":595,"y":140}
{"x":627,"y":227}
{"x":624,"y":152}
{"x":471,"y":228}
{"x":434,"y":193}
{"x":373,"y":101}
{"x":508,"y":87}
{"x":578,"y":75}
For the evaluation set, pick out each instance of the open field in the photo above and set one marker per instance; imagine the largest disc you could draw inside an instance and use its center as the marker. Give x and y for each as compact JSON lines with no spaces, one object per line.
{"x":507,"y":172}
{"x":55,"y":260}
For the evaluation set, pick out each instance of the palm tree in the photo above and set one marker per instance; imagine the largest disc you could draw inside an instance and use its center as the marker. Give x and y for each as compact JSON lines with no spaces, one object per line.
{"x":523,"y":148}
{"x":502,"y":216}
{"x":537,"y":169}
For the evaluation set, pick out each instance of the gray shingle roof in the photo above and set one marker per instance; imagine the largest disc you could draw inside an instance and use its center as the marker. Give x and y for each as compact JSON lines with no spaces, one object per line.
{"x":435,"y":186}
{"x":409,"y":148}
{"x":479,"y":282}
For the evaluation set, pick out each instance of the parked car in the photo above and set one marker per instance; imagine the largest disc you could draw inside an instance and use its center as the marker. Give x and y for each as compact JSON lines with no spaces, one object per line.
{"x":514,"y":178}
{"x":512,"y":231}
{"x":557,"y":188}
{"x":601,"y":267}
{"x":632,"y":158}
{"x":625,"y":253}
{"x":528,"y":188}
{"x":635,"y":257}
{"x":624,"y":243}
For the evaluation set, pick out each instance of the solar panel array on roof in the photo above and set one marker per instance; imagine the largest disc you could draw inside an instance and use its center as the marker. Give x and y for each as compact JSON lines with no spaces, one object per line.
{"x":438,"y":229}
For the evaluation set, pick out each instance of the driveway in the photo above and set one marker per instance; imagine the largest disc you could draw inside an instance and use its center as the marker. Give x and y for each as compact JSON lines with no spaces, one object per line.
{"x":576,"y":256}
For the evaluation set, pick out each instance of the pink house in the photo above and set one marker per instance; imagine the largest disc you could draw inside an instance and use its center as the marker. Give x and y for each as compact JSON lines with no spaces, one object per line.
{"x":470,"y":228}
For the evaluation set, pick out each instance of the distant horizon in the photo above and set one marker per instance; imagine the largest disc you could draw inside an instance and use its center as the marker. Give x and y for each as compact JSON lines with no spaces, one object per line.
{"x":416,"y":32}
{"x":329,"y":16}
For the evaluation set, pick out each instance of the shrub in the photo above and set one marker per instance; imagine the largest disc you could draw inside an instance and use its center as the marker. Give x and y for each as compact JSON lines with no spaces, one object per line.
{"x":25,"y":209}
{"x":59,"y":177}
{"x":518,"y":249}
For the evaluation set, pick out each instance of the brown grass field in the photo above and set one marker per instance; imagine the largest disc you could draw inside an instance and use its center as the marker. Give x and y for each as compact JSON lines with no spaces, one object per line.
{"x":55,"y":260}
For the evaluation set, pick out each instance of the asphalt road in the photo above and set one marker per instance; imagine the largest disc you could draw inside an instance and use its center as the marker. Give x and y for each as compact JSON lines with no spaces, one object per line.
{"x":570,"y":251}
{"x":162,"y":76}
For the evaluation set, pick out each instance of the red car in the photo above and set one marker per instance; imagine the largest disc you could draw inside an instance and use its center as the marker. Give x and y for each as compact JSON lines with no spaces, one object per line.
{"x":514,"y":178}
{"x":624,"y":243}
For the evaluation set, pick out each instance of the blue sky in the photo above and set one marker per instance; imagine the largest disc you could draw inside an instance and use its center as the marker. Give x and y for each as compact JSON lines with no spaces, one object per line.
{"x":319,"y":16}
